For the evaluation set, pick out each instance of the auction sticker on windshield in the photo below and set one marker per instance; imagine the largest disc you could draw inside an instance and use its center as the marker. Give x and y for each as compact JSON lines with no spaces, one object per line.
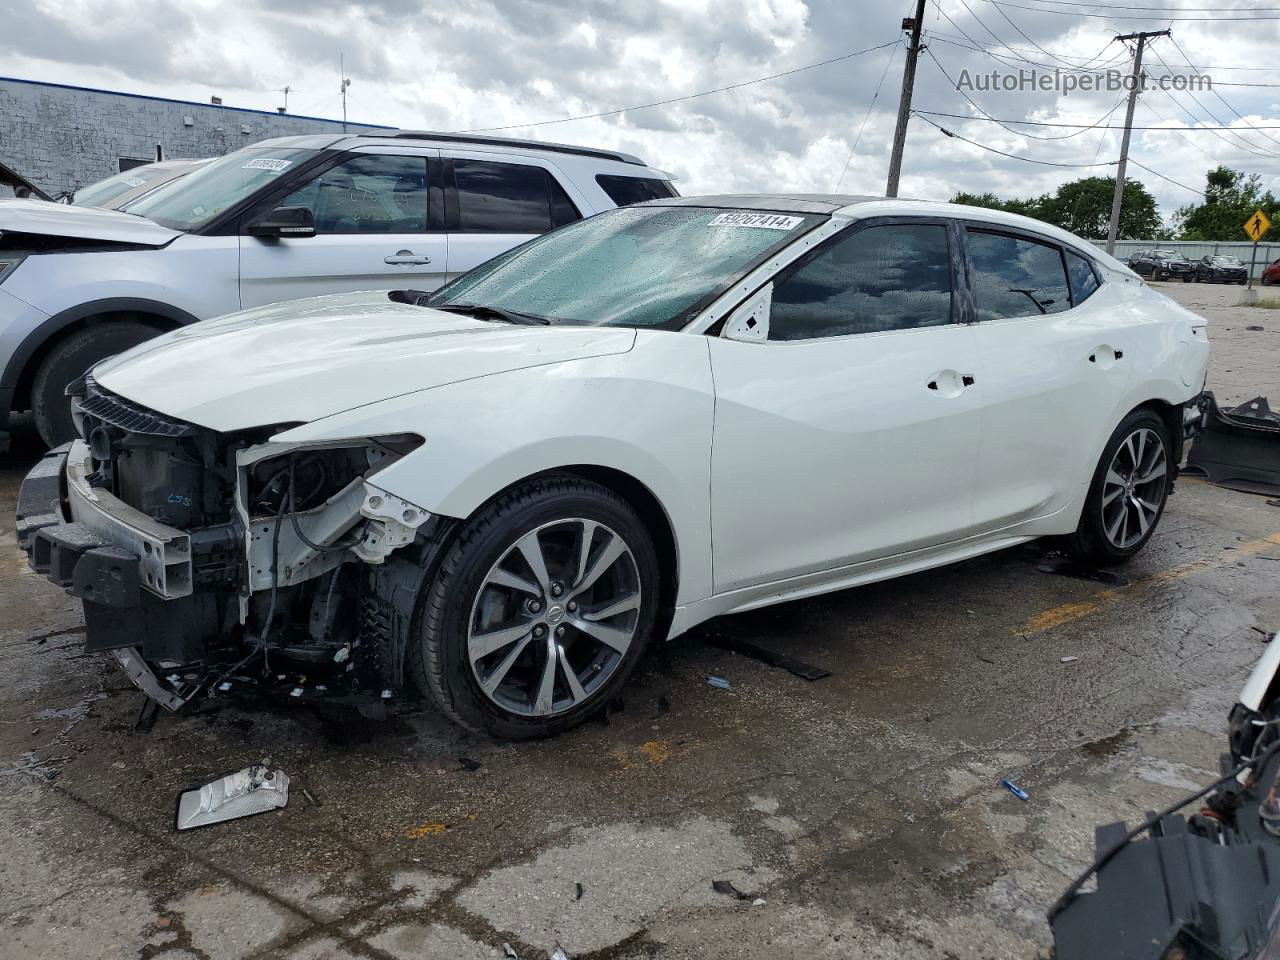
{"x":264,"y":163}
{"x":770,"y":221}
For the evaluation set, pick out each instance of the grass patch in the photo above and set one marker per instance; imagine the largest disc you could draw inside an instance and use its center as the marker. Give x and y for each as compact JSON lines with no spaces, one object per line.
{"x":1267,"y":304}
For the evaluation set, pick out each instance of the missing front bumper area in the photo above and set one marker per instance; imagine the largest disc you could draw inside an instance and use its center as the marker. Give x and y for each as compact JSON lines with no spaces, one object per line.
{"x":199,"y":611}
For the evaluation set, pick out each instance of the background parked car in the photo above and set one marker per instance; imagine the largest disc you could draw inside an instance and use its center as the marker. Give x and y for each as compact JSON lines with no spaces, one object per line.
{"x":1221,"y":270}
{"x":1162,"y":265}
{"x":286,"y":218}
{"x":117,"y":192}
{"x":1271,"y":273}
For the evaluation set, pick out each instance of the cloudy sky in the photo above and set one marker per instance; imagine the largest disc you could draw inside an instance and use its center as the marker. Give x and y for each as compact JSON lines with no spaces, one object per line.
{"x":512,"y":63}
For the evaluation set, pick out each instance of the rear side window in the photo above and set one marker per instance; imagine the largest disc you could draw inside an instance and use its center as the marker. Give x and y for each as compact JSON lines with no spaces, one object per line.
{"x":1016,"y":277}
{"x":889,"y":277}
{"x":627,"y":190}
{"x":509,"y":198}
{"x":1083,"y":280}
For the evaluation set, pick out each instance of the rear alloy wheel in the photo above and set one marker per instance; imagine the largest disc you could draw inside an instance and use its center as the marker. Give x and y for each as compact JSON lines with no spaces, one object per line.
{"x":541,"y":609}
{"x":1127,"y":496}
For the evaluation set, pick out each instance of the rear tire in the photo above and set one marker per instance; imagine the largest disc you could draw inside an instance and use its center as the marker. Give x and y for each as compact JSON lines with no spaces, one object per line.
{"x":70,"y":359}
{"x":513,"y":637}
{"x":1128,"y":493}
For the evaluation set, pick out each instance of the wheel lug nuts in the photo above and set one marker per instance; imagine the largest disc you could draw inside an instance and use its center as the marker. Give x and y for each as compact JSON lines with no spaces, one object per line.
{"x":559,"y":631}
{"x":539,"y":630}
{"x":535,"y":606}
{"x":556,"y":589}
{"x":571,"y":606}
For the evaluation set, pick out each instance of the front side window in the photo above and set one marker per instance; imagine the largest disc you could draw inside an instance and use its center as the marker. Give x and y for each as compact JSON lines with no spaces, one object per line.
{"x":367,"y":194}
{"x":627,"y":190}
{"x":1016,"y":277}
{"x":206,"y":192}
{"x":509,"y":198}
{"x":889,"y":277}
{"x":1083,"y":280}
{"x":630,"y":267}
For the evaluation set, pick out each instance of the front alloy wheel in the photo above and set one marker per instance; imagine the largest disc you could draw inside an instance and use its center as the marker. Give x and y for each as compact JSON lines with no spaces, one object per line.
{"x":539,"y":611}
{"x":1127,"y":495}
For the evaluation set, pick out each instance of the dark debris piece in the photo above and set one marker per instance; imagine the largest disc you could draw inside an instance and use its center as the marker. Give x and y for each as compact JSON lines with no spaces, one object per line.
{"x":1080,"y":571}
{"x":727,"y":889}
{"x":805,"y":671}
{"x":469,"y":765}
{"x":578,"y":891}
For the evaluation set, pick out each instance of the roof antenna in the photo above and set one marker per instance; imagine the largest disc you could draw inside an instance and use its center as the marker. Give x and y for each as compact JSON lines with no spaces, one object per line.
{"x":345,"y":83}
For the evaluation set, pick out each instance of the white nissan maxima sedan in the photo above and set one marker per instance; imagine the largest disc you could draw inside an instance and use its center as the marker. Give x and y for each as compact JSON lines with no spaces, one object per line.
{"x":502,"y":492}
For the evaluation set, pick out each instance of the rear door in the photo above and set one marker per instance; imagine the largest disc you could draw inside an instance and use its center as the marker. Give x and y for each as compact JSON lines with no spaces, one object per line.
{"x":494,"y":202}
{"x":1054,"y":368}
{"x":379,"y":226}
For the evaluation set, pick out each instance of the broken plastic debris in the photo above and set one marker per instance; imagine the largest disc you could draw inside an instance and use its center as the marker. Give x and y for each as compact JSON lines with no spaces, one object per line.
{"x":759,"y":902}
{"x":559,"y":954}
{"x":1068,"y":659}
{"x":224,"y":686}
{"x":727,"y":888}
{"x":342,"y":655}
{"x":295,"y":692}
{"x":254,"y":789}
{"x":1016,"y":790}
{"x":507,"y":951}
{"x":719,"y":682}
{"x":386,"y":694}
{"x":578,"y":891}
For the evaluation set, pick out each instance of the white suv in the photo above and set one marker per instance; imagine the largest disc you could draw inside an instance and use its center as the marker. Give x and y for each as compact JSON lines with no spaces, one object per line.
{"x":285,"y":218}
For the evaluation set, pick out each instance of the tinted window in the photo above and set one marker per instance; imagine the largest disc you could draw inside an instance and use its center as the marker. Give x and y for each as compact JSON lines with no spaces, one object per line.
{"x":367,"y":194}
{"x":892,"y":277}
{"x":626,"y":190}
{"x":509,"y":198}
{"x":1083,"y":280}
{"x":1013,"y":277}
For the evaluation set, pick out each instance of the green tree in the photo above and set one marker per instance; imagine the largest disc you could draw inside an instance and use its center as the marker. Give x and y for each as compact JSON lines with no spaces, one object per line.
{"x":1230,"y":197}
{"x":1084,"y":208}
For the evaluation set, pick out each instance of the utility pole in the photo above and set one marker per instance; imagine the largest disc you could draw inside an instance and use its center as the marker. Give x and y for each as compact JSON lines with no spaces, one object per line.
{"x":914,"y":24}
{"x":1114,"y":229}
{"x":345,"y":83}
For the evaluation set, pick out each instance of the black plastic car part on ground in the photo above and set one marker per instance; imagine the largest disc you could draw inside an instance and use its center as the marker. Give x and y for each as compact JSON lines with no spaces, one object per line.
{"x":1194,"y":887}
{"x":1239,"y":447}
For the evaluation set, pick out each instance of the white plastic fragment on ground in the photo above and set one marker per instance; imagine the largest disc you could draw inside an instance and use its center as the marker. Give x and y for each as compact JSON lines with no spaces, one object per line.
{"x":254,"y":789}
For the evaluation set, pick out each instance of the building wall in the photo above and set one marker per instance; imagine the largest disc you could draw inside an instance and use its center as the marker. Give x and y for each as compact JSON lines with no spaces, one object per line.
{"x":62,"y":138}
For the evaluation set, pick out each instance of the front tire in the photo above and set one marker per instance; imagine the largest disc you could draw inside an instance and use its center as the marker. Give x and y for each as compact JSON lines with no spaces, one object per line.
{"x":70,"y":359}
{"x":539,"y":612}
{"x":1128,"y":494}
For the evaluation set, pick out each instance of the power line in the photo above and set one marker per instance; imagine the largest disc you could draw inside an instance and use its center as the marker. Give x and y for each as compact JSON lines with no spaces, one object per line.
{"x":1077,"y":126}
{"x":867,"y":116}
{"x":988,"y":116}
{"x":1000,"y":10}
{"x":688,"y":96}
{"x":1238,"y":114}
{"x":1012,"y":156}
{"x":1112,"y":16}
{"x":1008,"y":61}
{"x":1248,"y":144}
{"x":1127,"y":6}
{"x":1155,"y":173}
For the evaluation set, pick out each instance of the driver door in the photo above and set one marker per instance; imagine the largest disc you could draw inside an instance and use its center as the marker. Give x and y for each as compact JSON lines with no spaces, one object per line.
{"x":375,"y":230}
{"x":850,"y":434}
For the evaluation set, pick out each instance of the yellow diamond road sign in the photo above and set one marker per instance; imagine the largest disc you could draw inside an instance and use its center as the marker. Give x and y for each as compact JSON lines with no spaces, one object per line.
{"x":1256,"y":225}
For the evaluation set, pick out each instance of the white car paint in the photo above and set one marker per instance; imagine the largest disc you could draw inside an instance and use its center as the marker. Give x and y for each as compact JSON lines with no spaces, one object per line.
{"x":86,"y":223}
{"x":785,"y":468}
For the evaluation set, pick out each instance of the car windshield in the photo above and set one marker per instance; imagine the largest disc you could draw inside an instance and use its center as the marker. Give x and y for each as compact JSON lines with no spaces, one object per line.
{"x":632,"y":267}
{"x":1168,"y":255}
{"x":102,"y":193}
{"x":1227,"y":261}
{"x":203,"y":194}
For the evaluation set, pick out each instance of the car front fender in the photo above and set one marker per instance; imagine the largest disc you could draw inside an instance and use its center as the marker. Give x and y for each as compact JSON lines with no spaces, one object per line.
{"x":647,"y":414}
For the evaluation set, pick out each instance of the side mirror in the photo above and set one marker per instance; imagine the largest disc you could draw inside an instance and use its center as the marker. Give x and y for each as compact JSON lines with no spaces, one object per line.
{"x":285,"y":222}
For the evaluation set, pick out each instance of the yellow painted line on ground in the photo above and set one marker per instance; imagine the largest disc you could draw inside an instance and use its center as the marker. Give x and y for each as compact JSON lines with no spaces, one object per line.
{"x":1078,"y":610}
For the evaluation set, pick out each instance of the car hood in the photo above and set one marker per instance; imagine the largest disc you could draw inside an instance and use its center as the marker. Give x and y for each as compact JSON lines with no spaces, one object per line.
{"x":300,"y":361}
{"x":83,"y":223}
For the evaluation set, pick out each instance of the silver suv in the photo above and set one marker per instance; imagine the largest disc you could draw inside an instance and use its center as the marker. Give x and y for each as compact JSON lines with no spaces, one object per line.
{"x":282,"y":219}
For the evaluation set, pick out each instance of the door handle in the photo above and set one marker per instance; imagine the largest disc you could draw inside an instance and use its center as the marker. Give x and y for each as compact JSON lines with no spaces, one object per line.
{"x":406,"y":257}
{"x":948,"y":383}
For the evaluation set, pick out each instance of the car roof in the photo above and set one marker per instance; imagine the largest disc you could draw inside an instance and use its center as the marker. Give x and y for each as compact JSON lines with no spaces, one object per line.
{"x":860,"y":207}
{"x":439,"y":138}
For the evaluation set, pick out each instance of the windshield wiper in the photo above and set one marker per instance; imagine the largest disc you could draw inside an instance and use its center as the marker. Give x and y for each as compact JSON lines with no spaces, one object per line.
{"x":481,"y":311}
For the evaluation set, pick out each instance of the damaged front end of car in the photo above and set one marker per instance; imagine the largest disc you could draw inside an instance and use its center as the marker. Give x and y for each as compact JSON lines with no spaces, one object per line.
{"x":1193,"y":887}
{"x":223,"y":563}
